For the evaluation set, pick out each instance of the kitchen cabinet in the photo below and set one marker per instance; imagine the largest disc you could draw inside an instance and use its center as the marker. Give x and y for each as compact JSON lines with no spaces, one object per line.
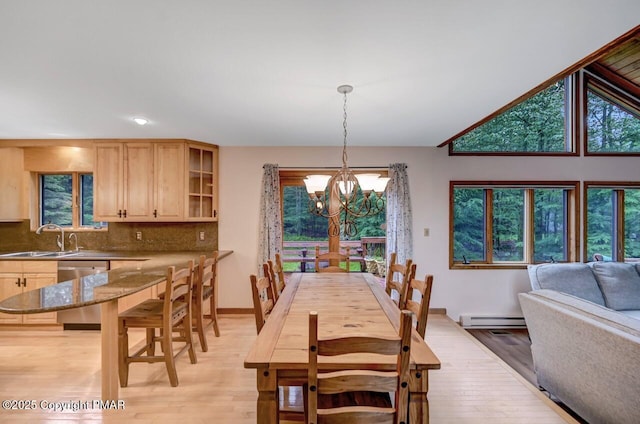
{"x":202,"y":183}
{"x":11,"y":186}
{"x":123,"y":187}
{"x":19,"y":276}
{"x":155,"y":181}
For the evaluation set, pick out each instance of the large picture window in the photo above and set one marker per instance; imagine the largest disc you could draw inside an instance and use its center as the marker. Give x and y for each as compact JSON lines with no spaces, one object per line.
{"x":67,"y":200}
{"x":302,"y":230}
{"x":613,"y":221}
{"x":512,"y":223}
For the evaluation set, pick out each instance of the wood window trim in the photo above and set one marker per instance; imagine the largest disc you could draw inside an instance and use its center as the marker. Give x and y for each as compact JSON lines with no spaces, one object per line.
{"x":571,"y":124}
{"x":295,"y":177}
{"x":595,"y":79}
{"x":612,"y":185}
{"x":76,"y":221}
{"x":572,"y":221}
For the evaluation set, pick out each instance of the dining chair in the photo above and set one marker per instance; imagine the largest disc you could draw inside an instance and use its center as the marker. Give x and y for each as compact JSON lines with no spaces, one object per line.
{"x":419,"y":307}
{"x":263,"y":300}
{"x":205,"y":289}
{"x":358,"y":396}
{"x":277,"y":283}
{"x":170,"y":315}
{"x":398,"y":277}
{"x":279,"y":270}
{"x":332,"y":257}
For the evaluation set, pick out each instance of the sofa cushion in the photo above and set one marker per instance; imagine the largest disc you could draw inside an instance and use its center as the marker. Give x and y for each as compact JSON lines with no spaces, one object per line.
{"x":573,"y":278}
{"x":633,"y":313}
{"x":620,"y":284}
{"x":599,"y":313}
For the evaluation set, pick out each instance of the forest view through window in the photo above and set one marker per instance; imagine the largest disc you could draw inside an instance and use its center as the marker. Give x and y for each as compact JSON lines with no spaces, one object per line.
{"x":511,"y":224}
{"x":613,"y":223}
{"x":302,"y":230}
{"x":57,"y":194}
{"x":610,"y":127}
{"x":537,"y":125}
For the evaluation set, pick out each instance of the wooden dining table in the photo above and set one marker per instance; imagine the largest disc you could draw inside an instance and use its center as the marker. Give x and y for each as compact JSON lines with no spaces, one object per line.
{"x":347,"y":304}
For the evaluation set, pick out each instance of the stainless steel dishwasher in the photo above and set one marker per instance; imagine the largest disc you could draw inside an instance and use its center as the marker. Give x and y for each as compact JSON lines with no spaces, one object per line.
{"x":88,"y":317}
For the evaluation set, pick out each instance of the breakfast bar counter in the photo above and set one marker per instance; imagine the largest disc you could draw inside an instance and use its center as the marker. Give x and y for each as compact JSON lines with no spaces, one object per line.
{"x":104,"y":289}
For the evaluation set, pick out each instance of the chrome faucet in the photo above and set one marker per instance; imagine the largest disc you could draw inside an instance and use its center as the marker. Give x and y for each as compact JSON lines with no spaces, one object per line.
{"x":75,"y":238}
{"x":59,"y":238}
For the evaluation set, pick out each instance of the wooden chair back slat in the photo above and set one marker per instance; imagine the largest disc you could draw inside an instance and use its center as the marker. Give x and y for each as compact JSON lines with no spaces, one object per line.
{"x":333,"y":257}
{"x":420,"y":308}
{"x":263,"y":300}
{"x":398,"y":285}
{"x":360,"y":383}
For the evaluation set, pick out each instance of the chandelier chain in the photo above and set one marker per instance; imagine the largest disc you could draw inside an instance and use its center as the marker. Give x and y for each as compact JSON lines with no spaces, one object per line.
{"x":344,"y":126}
{"x":345,"y":197}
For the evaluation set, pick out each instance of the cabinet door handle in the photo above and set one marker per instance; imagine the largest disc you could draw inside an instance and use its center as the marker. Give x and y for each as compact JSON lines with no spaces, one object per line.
{"x":18,"y":283}
{"x":119,"y":213}
{"x":124,"y":214}
{"x":215,"y":213}
{"x":155,"y":213}
{"x":24,"y":282}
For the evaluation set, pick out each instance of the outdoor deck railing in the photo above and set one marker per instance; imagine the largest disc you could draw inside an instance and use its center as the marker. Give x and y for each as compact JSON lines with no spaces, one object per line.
{"x":303,"y":252}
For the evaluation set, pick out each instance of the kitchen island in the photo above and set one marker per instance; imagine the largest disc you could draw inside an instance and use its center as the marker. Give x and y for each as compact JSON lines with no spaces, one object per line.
{"x":104,"y":289}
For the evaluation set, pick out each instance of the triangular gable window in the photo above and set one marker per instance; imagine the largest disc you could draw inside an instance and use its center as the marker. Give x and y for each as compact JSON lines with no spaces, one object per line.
{"x":536,"y":125}
{"x":613,"y":123}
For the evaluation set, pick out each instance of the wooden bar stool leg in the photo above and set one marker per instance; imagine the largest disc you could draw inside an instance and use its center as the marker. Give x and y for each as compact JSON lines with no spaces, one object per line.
{"x":123,"y":364}
{"x":189,"y":337}
{"x":151,"y":344}
{"x":200,"y":327}
{"x":167,"y":348}
{"x":214,"y":316}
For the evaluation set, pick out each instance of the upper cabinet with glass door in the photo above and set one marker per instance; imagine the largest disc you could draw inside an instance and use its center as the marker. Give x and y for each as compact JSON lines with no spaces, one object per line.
{"x":155,"y":180}
{"x":202,"y":204}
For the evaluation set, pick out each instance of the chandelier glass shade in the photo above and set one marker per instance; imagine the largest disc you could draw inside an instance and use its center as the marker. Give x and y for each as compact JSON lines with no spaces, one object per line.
{"x":345,"y":196}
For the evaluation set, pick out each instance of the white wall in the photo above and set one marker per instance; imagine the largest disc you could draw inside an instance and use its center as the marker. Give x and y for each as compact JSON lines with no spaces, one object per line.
{"x":430,"y":170}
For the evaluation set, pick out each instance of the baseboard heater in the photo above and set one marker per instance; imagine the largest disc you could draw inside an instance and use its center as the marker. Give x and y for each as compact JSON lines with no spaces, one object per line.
{"x":491,"y":321}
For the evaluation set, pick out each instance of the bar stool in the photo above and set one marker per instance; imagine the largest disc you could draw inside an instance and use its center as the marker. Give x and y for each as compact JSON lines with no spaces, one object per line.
{"x":170,"y":314}
{"x":205,"y":289}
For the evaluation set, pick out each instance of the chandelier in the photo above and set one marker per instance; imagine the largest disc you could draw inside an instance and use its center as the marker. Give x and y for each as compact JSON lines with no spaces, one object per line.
{"x":337,"y":197}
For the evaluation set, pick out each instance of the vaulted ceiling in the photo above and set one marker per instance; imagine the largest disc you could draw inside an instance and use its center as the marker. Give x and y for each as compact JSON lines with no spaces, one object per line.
{"x":251,"y":72}
{"x":624,"y":61}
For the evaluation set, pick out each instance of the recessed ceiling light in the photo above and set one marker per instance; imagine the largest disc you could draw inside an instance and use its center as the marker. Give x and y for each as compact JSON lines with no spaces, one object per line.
{"x":141,"y":121}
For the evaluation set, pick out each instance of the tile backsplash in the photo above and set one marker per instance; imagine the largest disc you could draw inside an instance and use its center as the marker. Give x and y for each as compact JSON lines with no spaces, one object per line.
{"x":166,"y":236}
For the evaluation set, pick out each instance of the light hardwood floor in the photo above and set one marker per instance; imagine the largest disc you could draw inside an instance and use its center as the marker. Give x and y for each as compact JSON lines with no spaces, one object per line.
{"x":473,"y":386}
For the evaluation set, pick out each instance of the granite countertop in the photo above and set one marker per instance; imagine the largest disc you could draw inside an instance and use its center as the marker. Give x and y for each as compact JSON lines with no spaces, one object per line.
{"x":86,"y":255}
{"x":98,"y":288}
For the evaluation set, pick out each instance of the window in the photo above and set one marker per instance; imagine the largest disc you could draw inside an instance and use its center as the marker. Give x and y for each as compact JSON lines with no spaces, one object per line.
{"x":302,"y":230}
{"x":67,"y":200}
{"x":512,"y":224}
{"x":613,"y":221}
{"x":536,"y":125}
{"x":612,"y":121}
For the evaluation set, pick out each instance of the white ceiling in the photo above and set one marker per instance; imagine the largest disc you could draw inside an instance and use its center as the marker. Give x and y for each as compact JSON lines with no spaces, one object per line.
{"x":256,"y":72}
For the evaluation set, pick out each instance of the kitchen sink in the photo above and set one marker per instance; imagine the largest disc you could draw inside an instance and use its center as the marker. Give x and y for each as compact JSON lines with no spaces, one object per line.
{"x":30,"y":254}
{"x":38,"y":253}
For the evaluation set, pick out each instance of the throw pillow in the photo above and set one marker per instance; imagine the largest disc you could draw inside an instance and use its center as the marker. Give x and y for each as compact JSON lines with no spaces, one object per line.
{"x":576,"y":279}
{"x":620,"y":284}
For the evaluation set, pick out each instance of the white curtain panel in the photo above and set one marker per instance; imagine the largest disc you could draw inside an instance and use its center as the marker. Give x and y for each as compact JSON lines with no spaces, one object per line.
{"x":399,"y":216}
{"x":270,"y":224}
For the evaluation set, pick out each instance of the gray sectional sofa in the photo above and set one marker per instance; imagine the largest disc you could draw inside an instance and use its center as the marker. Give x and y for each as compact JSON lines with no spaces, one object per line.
{"x":584,"y":324}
